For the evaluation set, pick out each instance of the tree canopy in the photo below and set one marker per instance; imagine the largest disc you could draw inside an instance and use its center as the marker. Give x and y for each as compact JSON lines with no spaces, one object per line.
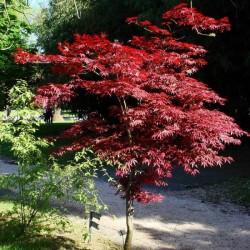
{"x":14,"y":31}
{"x":159,"y":116}
{"x":227,"y":71}
{"x":64,"y":18}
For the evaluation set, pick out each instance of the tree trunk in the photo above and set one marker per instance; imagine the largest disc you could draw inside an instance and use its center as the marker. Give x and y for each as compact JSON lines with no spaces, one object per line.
{"x":129,"y":221}
{"x":57,"y":117}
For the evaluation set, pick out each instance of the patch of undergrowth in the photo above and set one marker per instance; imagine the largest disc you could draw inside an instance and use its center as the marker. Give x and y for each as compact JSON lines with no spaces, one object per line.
{"x":55,"y":231}
{"x":5,"y":150}
{"x":238,"y":191}
{"x":38,"y":236}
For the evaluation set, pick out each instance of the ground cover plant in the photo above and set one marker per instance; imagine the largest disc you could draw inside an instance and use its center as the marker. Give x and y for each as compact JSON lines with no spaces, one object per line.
{"x":53,"y":235}
{"x":150,"y":115}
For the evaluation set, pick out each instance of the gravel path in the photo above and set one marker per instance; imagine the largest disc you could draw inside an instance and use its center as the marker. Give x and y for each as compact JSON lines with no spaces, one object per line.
{"x":182,"y":221}
{"x":179,"y":222}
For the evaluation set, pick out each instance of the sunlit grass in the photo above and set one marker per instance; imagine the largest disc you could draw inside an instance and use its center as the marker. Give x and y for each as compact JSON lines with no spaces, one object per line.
{"x":50,"y":235}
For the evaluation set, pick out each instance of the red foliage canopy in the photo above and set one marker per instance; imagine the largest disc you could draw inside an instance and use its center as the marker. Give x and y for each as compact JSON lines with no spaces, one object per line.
{"x":53,"y":95}
{"x":161,"y":115}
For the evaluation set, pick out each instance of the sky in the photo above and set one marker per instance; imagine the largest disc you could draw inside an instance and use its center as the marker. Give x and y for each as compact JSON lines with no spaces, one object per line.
{"x":37,"y":4}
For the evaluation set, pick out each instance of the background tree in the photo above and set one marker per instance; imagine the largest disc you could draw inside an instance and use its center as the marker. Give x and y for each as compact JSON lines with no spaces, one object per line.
{"x":93,"y":17}
{"x":14,"y":31}
{"x":156,"y":117}
{"x":227,"y":71}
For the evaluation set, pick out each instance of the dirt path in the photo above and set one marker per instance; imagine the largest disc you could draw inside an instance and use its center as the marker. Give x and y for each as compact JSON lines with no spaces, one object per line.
{"x":182,"y":221}
{"x":179,"y":222}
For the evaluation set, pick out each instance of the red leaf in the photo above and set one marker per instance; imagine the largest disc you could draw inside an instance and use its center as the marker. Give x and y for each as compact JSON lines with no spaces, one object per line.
{"x":148,"y":114}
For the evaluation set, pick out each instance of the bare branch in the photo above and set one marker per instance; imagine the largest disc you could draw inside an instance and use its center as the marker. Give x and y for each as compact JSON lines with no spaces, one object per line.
{"x":78,"y":14}
{"x":236,"y":8}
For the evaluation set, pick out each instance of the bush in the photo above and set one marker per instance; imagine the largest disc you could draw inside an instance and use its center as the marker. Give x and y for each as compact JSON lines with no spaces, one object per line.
{"x":40,"y":179}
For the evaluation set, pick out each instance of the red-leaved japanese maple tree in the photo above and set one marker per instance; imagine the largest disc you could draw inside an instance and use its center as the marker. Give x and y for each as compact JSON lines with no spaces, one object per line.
{"x":159,"y":117}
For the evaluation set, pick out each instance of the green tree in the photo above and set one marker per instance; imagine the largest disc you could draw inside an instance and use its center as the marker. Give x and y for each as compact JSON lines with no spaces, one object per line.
{"x":64,"y":18}
{"x":14,"y":31}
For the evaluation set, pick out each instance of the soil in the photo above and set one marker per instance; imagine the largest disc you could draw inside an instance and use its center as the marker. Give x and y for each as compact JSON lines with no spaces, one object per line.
{"x":192,"y":216}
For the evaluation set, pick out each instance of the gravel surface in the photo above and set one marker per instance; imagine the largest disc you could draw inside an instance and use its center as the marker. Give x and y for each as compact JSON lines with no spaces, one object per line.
{"x":183,"y":221}
{"x":179,"y":222}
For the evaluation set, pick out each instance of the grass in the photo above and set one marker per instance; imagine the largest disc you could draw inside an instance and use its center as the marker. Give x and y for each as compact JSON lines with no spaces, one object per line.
{"x":3,"y":113}
{"x":50,"y":237}
{"x":53,"y":129}
{"x":238,"y":191}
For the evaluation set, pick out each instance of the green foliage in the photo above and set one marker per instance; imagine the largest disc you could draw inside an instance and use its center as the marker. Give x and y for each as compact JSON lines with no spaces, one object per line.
{"x":40,"y":179}
{"x":20,"y":95}
{"x":64,"y":18}
{"x":13,"y":27}
{"x":14,"y":31}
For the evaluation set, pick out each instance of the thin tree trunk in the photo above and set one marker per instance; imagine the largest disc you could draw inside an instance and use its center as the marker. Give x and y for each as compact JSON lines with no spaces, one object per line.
{"x":129,"y":221}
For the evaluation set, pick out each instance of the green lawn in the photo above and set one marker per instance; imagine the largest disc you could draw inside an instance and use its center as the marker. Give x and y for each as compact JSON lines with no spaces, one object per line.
{"x":53,"y":129}
{"x":15,"y":113}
